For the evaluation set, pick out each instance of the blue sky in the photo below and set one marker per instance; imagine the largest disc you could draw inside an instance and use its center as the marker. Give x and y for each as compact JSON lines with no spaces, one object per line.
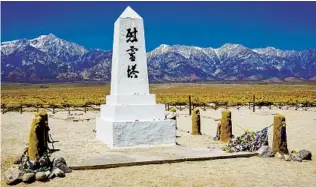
{"x":284,"y":25}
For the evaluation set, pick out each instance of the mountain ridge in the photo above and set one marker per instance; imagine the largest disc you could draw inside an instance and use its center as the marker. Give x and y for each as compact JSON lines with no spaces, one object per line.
{"x":48,"y":57}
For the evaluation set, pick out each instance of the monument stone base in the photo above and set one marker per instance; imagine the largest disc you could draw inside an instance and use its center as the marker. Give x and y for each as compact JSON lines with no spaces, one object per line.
{"x":116,"y":134}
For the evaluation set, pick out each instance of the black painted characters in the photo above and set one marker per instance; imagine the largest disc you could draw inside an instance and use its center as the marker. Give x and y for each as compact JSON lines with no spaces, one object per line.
{"x":132,"y":37}
{"x":132,"y":72}
{"x":132,"y":52}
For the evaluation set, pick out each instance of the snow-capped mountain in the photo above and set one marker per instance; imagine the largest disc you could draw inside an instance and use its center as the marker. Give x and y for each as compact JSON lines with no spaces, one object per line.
{"x":51,"y":58}
{"x":50,"y":44}
{"x":232,"y":62}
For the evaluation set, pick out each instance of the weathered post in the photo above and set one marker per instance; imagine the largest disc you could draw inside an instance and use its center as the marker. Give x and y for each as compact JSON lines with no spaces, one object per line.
{"x":85,"y":108}
{"x":253,"y":103}
{"x":3,"y":108}
{"x":196,"y":122}
{"x":168,"y":107}
{"x":53,"y":109}
{"x":279,"y":135}
{"x":226,"y":126}
{"x":190,"y":105}
{"x":306,"y":104}
{"x":38,"y":136}
{"x":21,"y":108}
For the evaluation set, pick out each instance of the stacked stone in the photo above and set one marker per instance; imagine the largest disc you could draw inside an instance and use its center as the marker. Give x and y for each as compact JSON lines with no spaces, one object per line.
{"x":35,"y":164}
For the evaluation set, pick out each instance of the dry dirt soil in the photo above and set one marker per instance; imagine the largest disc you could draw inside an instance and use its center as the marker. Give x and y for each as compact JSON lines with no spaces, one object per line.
{"x":254,"y":171}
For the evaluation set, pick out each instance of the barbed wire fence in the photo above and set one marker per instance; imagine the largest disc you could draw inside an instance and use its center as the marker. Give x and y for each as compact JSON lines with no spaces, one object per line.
{"x":211,"y":105}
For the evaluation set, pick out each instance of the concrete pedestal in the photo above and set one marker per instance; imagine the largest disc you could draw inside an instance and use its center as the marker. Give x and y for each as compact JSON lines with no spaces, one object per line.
{"x":117,"y":134}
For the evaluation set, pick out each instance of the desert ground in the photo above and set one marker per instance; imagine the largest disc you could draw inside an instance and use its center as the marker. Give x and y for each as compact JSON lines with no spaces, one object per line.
{"x":254,"y":171}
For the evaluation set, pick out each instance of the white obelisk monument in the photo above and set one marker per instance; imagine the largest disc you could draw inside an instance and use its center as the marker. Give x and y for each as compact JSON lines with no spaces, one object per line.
{"x":131,"y":117}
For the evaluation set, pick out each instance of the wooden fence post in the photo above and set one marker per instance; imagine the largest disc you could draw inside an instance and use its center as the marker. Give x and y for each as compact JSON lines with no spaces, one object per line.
{"x":37,"y":107}
{"x":68,"y":109}
{"x":196,"y":122}
{"x":226,"y":126}
{"x":305,"y":106}
{"x":53,"y":109}
{"x":21,"y":108}
{"x":85,"y":108}
{"x":190,"y":105}
{"x":168,"y":106}
{"x":253,"y":103}
{"x":3,"y":108}
{"x":279,"y":143}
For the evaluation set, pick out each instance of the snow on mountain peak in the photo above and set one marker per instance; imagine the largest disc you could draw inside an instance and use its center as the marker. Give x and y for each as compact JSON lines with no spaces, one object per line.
{"x":176,"y":62}
{"x":47,"y":43}
{"x":163,"y":48}
{"x":10,"y":46}
{"x":48,"y":36}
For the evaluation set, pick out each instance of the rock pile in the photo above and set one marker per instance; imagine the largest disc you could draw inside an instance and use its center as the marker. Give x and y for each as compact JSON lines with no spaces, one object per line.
{"x":27,"y":171}
{"x":295,"y":156}
{"x":35,"y":163}
{"x":258,"y":141}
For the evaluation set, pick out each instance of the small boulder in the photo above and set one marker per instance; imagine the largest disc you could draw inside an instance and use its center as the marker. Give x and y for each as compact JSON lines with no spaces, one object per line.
{"x":47,"y":173}
{"x":51,"y":175}
{"x":61,"y":164}
{"x":41,"y":176}
{"x":287,"y":157}
{"x":28,"y":177}
{"x":269,"y":153}
{"x":12,"y":176}
{"x":279,"y":155}
{"x":305,"y":155}
{"x":296,"y":157}
{"x":59,"y":173}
